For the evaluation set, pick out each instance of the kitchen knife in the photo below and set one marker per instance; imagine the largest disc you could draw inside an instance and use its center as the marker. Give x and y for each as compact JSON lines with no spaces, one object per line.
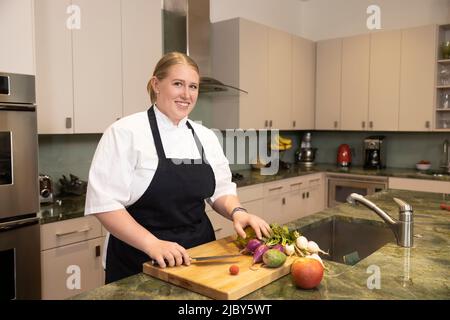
{"x":228,"y":256}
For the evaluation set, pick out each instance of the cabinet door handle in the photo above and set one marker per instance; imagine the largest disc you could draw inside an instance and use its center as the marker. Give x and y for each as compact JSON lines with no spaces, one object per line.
{"x":303,"y":195}
{"x":336,"y":124}
{"x":363,"y":124}
{"x":61,"y":234}
{"x":427,"y":124}
{"x":97,"y":251}
{"x":270,"y":123}
{"x":266,"y":123}
{"x":277,"y":188}
{"x":294,"y":123}
{"x":314,"y":180}
{"x":283,"y":201}
{"x":218,"y":229}
{"x":68,"y":123}
{"x":371,"y":124}
{"x":296,"y":184}
{"x":307,"y":194}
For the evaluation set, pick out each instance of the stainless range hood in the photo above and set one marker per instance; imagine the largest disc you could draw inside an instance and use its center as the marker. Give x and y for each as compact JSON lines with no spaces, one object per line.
{"x":187,"y":29}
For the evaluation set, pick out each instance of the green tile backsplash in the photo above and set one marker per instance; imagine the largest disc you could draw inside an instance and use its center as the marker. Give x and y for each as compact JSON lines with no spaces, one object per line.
{"x":64,"y":154}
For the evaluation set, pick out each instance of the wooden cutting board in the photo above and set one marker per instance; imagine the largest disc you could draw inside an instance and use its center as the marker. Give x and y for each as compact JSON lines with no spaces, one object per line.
{"x":212,"y":278}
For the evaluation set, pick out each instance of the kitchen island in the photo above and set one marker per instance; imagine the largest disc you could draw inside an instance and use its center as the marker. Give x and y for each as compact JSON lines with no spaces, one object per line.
{"x":420,"y":272}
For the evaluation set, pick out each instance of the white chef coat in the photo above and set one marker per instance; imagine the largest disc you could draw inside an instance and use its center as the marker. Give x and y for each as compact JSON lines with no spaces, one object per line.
{"x":126,"y":160}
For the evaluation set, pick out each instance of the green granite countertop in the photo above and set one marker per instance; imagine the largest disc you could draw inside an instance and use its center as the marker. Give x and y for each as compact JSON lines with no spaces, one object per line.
{"x":73,"y":207}
{"x":420,"y":272}
{"x":251,"y":177}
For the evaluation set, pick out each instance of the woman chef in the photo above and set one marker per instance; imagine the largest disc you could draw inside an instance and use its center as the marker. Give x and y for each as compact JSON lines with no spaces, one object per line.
{"x":152,"y":172}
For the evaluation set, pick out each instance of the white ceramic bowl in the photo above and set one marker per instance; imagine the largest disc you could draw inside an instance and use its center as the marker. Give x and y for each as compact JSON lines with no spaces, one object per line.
{"x":423,"y":166}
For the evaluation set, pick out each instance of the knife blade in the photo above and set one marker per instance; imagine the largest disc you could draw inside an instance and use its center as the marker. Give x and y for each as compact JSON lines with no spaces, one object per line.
{"x":207,"y":258}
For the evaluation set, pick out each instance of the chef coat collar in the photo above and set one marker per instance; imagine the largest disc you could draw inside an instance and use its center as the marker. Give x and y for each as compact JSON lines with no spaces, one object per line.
{"x":165,"y":122}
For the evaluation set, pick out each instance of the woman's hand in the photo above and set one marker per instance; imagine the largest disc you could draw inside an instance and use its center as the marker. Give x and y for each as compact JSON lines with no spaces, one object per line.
{"x":166,"y":252}
{"x":241,"y":219}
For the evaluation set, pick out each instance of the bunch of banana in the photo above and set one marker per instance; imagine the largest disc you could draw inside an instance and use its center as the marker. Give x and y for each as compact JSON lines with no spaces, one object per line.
{"x":280,"y":143}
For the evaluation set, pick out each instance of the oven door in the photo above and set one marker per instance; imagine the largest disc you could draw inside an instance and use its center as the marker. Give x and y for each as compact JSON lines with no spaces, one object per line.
{"x":20,"y":261}
{"x":339,"y":188}
{"x":19,"y":190}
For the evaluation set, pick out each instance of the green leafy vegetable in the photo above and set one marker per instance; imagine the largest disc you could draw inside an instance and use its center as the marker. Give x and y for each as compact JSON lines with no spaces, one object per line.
{"x":281,"y":235}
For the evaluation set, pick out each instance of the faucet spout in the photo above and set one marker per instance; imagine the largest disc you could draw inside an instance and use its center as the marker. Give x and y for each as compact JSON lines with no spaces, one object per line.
{"x":403,"y":228}
{"x":355,"y":198}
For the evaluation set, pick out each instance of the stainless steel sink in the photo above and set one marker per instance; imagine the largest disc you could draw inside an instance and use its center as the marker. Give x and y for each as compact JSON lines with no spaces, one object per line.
{"x":348,"y":240}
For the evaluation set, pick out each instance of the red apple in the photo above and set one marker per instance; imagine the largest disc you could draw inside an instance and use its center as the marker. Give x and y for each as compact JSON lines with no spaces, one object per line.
{"x":307,"y":273}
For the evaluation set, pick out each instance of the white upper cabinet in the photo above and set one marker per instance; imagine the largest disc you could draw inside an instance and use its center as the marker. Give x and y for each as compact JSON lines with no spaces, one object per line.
{"x":240,"y":59}
{"x":88,"y":77}
{"x":355,"y":82}
{"x":328,"y":84}
{"x":280,"y":79}
{"x":303,"y":83}
{"x":141,"y":50}
{"x":54,"y":76}
{"x":17,"y":36}
{"x":97,"y":66}
{"x":384,"y":84}
{"x":417,"y":78}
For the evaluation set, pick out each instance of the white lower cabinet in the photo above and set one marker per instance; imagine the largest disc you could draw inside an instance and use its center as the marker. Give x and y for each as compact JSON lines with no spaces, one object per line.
{"x":72,"y":269}
{"x":290,"y":199}
{"x":421,"y":185}
{"x":71,"y":257}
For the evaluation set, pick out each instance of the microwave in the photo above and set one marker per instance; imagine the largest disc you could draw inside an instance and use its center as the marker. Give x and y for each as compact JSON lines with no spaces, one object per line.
{"x":340,"y":186}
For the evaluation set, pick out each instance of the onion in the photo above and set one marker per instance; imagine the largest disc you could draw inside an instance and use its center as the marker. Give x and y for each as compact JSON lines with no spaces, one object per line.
{"x":316,"y":257}
{"x":314,"y":248}
{"x":258,"y":254}
{"x":252,"y":245}
{"x":289,"y":249}
{"x":302,"y":243}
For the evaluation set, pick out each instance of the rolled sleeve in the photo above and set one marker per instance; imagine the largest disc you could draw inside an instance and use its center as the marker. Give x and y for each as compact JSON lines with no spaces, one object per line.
{"x":111,"y":171}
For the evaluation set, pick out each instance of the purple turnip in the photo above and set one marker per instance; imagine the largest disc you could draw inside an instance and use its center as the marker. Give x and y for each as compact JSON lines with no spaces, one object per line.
{"x":252,"y":245}
{"x":258,"y":254}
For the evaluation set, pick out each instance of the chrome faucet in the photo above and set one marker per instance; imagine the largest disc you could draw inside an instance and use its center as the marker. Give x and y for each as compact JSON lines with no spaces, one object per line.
{"x":403,"y":228}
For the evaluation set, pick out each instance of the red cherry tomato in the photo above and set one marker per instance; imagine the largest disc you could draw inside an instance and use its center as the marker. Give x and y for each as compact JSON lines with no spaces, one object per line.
{"x":234,"y":270}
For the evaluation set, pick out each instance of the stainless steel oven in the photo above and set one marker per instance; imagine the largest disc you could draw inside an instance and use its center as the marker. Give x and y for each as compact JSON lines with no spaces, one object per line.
{"x":340,"y":186}
{"x":20,"y":269}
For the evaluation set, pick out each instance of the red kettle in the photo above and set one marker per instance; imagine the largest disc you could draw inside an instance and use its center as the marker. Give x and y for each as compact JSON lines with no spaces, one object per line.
{"x":344,"y":156}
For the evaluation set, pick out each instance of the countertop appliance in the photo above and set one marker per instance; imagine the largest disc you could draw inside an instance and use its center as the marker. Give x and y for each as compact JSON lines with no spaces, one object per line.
{"x":341,"y":186}
{"x":306,"y":154}
{"x":20,"y":264}
{"x":45,"y":189}
{"x":374,"y":152}
{"x":344,"y":156}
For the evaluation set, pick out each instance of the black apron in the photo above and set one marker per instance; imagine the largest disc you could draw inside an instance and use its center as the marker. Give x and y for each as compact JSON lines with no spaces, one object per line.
{"x":172,"y":208}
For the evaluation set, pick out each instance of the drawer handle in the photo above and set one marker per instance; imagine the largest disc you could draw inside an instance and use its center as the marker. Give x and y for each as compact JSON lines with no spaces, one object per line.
{"x":296,"y":184}
{"x":314,"y":180}
{"x":62,"y":234}
{"x":218,"y":229}
{"x":277,"y":188}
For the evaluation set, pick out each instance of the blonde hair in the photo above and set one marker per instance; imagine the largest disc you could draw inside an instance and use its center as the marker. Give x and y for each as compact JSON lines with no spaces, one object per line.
{"x":162,"y":67}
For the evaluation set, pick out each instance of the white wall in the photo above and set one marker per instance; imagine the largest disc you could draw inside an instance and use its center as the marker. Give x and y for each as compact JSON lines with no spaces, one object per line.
{"x":279,"y":14}
{"x":325,"y":19}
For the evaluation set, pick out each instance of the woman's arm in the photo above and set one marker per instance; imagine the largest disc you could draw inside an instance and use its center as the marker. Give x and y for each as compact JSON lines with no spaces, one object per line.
{"x":225,"y":205}
{"x":122,"y":225}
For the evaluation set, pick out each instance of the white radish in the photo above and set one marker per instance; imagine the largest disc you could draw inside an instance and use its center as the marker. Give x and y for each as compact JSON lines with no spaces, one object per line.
{"x":289,"y":249}
{"x":314,"y":248}
{"x":316,"y":257}
{"x":302,"y":243}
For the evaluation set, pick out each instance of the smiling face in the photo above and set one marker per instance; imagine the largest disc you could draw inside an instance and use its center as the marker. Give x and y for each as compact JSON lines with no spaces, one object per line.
{"x":177,"y":93}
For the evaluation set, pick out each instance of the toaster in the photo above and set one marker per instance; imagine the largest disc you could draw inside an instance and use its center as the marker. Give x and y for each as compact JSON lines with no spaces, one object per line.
{"x":45,"y":189}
